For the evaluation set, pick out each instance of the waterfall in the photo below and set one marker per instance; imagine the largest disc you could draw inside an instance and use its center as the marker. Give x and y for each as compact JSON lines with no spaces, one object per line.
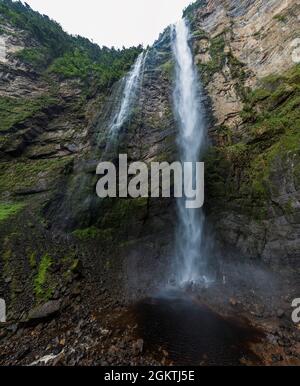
{"x":130,"y":85}
{"x":191,"y":138}
{"x":130,"y":89}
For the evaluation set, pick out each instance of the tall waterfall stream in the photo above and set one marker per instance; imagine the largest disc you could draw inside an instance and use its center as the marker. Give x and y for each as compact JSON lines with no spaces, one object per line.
{"x":191,"y":137}
{"x":173,"y":320}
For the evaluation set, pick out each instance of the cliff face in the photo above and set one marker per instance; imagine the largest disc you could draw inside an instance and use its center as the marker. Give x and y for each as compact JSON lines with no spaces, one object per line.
{"x":53,"y":87}
{"x":54,"y":129}
{"x":248,"y":55}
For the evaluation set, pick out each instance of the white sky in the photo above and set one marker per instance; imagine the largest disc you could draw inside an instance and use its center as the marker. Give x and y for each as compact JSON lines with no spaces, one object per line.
{"x":113,"y":22}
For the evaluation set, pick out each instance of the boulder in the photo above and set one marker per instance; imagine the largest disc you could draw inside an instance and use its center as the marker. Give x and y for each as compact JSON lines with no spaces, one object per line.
{"x":44,"y":311}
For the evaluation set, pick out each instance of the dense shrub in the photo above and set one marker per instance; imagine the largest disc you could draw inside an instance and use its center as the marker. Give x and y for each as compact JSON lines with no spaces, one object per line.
{"x":68,"y":56}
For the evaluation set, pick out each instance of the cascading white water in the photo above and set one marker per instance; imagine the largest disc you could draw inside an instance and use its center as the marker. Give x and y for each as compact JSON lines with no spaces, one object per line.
{"x":191,"y":138}
{"x":131,"y":86}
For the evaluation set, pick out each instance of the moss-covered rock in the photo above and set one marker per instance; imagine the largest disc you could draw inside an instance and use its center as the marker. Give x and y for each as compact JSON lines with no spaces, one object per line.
{"x":9,"y":209}
{"x":246,"y":169}
{"x":41,"y":286}
{"x":14,"y":111}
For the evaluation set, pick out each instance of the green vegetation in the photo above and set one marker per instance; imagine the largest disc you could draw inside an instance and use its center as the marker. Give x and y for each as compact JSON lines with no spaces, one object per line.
{"x":238,"y":72}
{"x":37,"y":57}
{"x":75,"y":264}
{"x":272,"y":117}
{"x":94,"y":233}
{"x":47,"y":32}
{"x":104,"y":72}
{"x":274,"y":106}
{"x":121,"y":214}
{"x":6,"y":255}
{"x":217,"y":61}
{"x":65,"y":55}
{"x":124,"y":212}
{"x":42,"y":291}
{"x":280,"y":18}
{"x":9,"y":209}
{"x":118,"y":220}
{"x":71,"y":265}
{"x":168,"y":68}
{"x":200,"y":34}
{"x":27,"y":173}
{"x":16,"y":110}
{"x":219,"y":56}
{"x":32,"y":260}
{"x":288,"y":207}
{"x":74,"y":64}
{"x":192,"y":7}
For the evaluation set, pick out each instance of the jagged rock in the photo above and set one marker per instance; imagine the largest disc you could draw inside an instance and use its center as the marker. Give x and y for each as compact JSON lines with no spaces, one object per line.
{"x":250,"y":50}
{"x":23,"y":353}
{"x":45,"y":311}
{"x":13,"y":328}
{"x":76,"y":291}
{"x":138,"y":346}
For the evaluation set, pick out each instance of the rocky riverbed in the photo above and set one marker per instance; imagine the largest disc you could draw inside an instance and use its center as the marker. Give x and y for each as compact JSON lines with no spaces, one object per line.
{"x":72,"y":330}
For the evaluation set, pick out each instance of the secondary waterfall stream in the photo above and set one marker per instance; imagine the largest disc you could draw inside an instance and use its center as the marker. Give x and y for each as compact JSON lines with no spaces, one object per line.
{"x":129,"y":88}
{"x":127,"y":101}
{"x":191,"y":138}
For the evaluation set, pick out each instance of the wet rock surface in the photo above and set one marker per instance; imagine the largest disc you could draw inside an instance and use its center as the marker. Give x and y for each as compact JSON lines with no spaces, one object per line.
{"x":101,"y":333}
{"x":100,"y":257}
{"x":237,"y":46}
{"x":45,"y":311}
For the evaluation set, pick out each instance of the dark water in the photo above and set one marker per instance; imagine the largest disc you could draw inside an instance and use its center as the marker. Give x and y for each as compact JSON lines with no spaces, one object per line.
{"x":192,"y":334}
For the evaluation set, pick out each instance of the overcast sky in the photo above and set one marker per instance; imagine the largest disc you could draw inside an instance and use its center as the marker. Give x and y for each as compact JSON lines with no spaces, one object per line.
{"x":113,"y":22}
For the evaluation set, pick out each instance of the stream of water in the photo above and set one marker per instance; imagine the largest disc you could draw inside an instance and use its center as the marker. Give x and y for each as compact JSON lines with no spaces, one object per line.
{"x":173,"y":321}
{"x":191,"y":141}
{"x":128,"y":98}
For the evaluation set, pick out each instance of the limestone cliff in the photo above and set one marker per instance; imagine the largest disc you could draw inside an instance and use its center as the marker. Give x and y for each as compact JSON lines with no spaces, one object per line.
{"x":52,"y":89}
{"x":248,"y":55}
